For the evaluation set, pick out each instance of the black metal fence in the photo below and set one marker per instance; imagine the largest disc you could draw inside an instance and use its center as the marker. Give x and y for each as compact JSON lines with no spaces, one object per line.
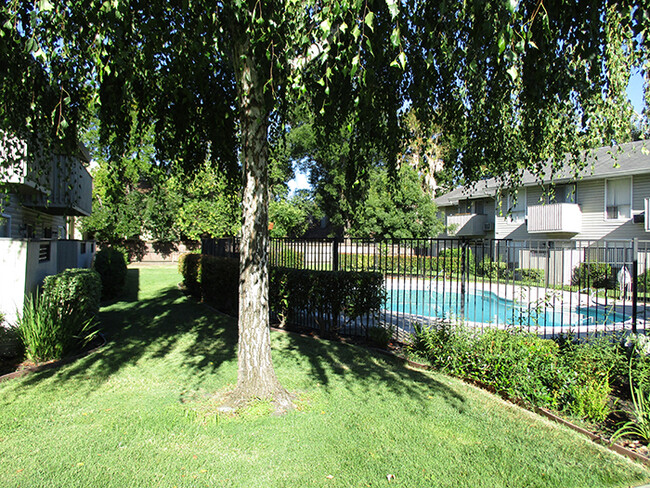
{"x":550,"y":287}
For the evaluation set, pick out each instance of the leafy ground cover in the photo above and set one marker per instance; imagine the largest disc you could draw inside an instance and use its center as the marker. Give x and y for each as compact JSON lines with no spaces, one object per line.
{"x":141,"y":413}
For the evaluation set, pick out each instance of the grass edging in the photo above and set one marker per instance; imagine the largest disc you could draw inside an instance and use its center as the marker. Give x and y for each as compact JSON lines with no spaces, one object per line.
{"x":52,"y":364}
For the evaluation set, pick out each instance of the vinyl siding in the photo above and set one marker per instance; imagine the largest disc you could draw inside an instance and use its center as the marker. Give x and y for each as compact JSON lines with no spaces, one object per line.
{"x":22,"y":216}
{"x":590,"y":195}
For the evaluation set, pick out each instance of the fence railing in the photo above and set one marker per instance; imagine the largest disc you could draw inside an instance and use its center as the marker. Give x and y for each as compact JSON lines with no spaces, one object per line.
{"x":550,"y":287}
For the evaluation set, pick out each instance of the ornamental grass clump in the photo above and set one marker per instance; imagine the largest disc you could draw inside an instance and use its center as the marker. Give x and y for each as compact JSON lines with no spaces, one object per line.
{"x":59,"y":320}
{"x":51,"y":332}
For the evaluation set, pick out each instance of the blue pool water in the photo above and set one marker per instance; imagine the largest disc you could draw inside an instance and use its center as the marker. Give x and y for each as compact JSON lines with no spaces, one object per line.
{"x":487,"y":307}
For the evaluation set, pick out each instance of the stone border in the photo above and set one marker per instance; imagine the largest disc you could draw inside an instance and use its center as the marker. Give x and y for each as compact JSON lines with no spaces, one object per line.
{"x":53,"y":364}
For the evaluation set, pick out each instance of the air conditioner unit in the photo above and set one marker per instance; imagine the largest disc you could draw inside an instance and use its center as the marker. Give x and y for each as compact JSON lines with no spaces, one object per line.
{"x":488,"y":226}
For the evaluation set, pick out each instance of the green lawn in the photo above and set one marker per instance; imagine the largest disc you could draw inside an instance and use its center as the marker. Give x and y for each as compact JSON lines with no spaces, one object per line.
{"x":140,"y":414}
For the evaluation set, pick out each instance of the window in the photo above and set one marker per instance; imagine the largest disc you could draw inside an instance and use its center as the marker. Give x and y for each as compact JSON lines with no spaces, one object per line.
{"x":5,"y":226}
{"x":517,"y":206}
{"x":618,"y":199}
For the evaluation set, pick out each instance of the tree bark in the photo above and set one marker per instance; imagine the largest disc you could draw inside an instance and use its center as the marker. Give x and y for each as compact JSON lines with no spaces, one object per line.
{"x":256,"y":376}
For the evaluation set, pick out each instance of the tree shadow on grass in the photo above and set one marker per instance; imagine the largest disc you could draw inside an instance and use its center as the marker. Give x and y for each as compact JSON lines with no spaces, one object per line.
{"x":153,"y":328}
{"x":333,"y":363}
{"x":201,"y":340}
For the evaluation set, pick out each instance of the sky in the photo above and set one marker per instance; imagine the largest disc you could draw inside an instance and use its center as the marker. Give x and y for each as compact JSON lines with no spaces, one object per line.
{"x":634,"y":93}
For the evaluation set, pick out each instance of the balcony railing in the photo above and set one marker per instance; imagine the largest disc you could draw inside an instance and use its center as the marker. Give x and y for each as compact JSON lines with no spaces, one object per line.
{"x":66,"y":188}
{"x":555,"y":218}
{"x":55,"y":184}
{"x":467,"y":224}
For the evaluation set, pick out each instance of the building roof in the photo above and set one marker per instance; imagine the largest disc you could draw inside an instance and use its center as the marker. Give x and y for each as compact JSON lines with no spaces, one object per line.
{"x":627,"y":159}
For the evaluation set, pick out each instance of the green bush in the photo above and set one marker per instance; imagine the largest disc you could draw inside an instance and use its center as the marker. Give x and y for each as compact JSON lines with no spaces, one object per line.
{"x":49,"y":330}
{"x":329,"y":297}
{"x":380,"y":336}
{"x":493,"y":270}
{"x":214,"y":280}
{"x":188,"y":266}
{"x":643,"y":282}
{"x":402,"y":265}
{"x":572,"y":376}
{"x":530,"y":275}
{"x":111,"y":266}
{"x":596,"y":275}
{"x":10,"y":345}
{"x":74,"y":289}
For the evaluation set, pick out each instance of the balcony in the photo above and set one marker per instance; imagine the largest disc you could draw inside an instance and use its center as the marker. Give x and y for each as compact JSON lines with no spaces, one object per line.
{"x":51,"y":183}
{"x":467,"y":225}
{"x":561,"y":218}
{"x":65,"y":188}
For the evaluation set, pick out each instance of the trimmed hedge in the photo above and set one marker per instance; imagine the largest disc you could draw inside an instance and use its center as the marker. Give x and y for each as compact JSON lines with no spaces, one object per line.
{"x":329,"y":297}
{"x":214,"y":280}
{"x":111,"y":266}
{"x":413,"y":265}
{"x":74,"y":289}
{"x":326,"y":295}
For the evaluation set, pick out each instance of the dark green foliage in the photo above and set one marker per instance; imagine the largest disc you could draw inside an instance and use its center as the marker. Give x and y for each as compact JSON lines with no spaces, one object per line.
{"x":493,"y":270}
{"x":189,"y":265}
{"x":286,"y":257}
{"x":530,"y":275}
{"x":212,"y":279}
{"x":380,"y":336}
{"x":79,"y":289}
{"x":111,"y":266}
{"x":574,"y":377}
{"x":50,"y":330}
{"x":415,"y":265}
{"x":330,"y":297}
{"x":592,"y":275}
{"x":643,"y":282}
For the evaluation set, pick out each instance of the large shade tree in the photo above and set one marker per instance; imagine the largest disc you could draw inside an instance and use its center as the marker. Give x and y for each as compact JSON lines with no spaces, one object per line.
{"x":512,"y":82}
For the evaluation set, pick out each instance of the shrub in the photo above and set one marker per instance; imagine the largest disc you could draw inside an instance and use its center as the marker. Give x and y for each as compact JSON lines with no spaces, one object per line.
{"x":456,"y":254}
{"x":493,"y":270}
{"x":329,"y":297}
{"x":380,"y":336}
{"x":188,"y":266}
{"x":212,"y":279}
{"x":531,"y":275}
{"x":643,"y":282}
{"x":49,"y":331}
{"x":111,"y":266}
{"x":10,"y":345}
{"x":74,"y":289}
{"x":597,"y":275}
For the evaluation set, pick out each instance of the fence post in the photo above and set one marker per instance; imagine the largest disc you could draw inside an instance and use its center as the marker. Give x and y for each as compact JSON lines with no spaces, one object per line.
{"x":463,"y":271}
{"x":635,"y":276}
{"x":335,"y":254}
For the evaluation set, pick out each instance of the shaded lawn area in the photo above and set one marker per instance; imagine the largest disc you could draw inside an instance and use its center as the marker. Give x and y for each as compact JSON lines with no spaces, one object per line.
{"x":140,"y":413}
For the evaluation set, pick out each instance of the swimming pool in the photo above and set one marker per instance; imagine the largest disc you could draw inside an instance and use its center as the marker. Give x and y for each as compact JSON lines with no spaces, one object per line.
{"x":487,"y":307}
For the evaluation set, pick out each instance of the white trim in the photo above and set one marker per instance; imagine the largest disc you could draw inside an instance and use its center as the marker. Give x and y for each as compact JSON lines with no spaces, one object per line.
{"x":618,"y":219}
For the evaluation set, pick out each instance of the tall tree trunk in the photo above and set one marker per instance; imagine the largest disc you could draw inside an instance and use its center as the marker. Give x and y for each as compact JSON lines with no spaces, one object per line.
{"x":256,"y":377}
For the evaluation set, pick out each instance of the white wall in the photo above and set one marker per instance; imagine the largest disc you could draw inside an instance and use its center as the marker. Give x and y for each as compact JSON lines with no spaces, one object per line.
{"x":13,"y":262}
